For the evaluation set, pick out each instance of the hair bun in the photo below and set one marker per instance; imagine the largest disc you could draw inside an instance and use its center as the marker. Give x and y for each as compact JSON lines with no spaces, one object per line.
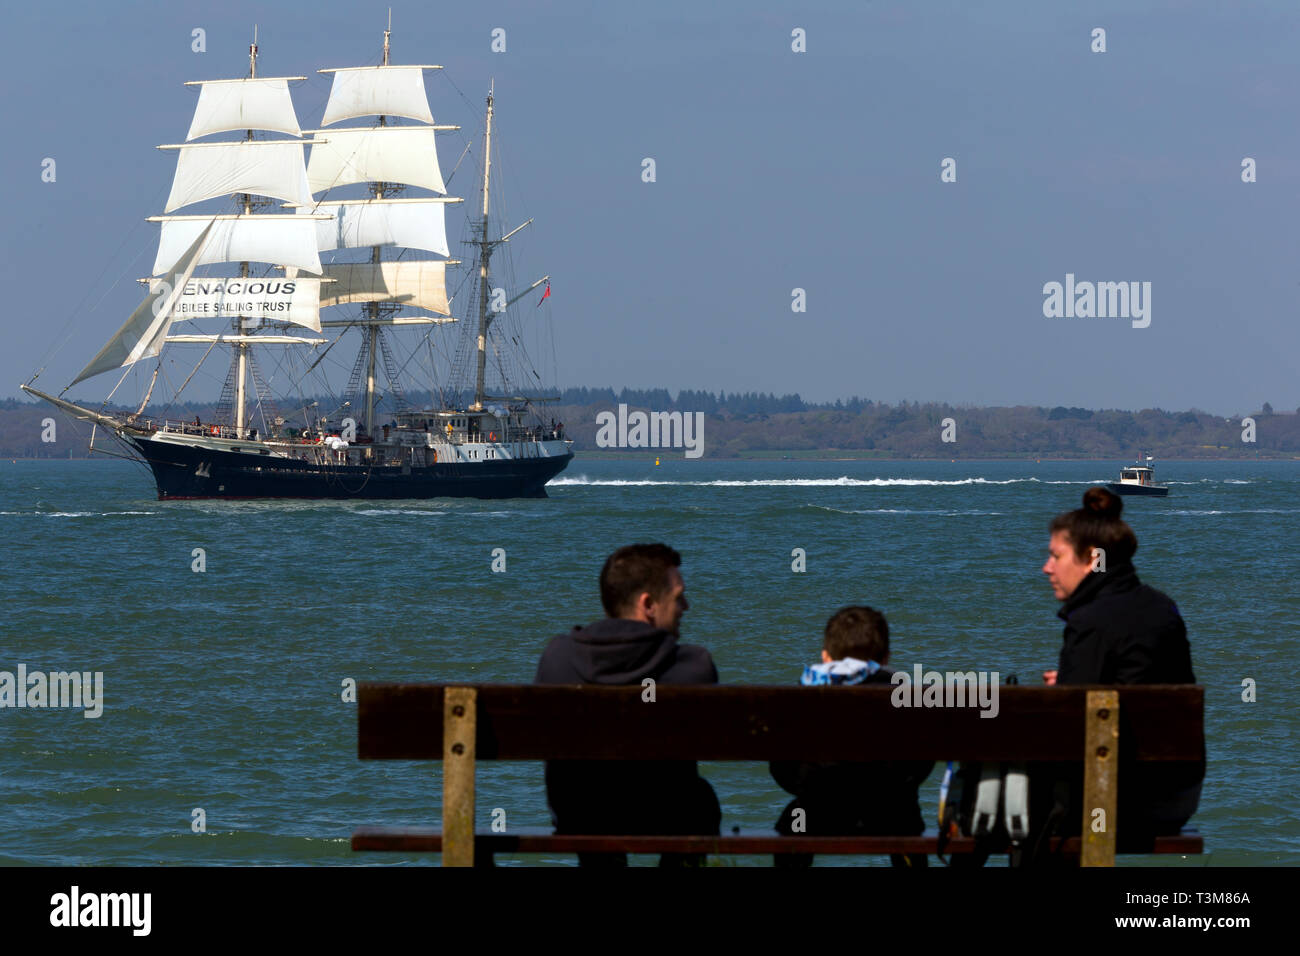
{"x":1103,"y":503}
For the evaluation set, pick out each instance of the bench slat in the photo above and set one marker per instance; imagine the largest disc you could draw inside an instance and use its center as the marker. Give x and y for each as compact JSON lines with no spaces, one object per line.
{"x":429,"y":840}
{"x":539,"y":722}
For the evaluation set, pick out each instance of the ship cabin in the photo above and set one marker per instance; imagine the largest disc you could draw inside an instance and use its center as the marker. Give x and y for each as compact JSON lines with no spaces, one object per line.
{"x":1137,"y":475}
{"x":464,"y":426}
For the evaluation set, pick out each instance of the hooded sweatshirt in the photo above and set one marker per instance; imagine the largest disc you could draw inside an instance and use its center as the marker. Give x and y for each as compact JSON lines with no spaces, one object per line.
{"x":619,"y":651}
{"x":622,"y":796}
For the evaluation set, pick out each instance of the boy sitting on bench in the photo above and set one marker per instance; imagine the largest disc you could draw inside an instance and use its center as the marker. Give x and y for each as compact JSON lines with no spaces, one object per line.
{"x":835,"y":799}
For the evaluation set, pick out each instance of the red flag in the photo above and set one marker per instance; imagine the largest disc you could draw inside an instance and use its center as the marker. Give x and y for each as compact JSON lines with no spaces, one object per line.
{"x":544,"y":295}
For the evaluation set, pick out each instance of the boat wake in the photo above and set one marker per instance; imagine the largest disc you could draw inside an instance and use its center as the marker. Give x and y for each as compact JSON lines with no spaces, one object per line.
{"x":946,"y":513}
{"x":842,"y":482}
{"x":76,"y":514}
{"x":1215,"y":481}
{"x":1244,"y":511}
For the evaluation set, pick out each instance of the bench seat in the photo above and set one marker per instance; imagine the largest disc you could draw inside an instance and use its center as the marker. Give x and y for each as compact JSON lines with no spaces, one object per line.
{"x":429,"y":840}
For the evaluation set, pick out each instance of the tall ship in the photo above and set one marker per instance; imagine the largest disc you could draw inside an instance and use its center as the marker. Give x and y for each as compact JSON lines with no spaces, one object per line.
{"x":342,"y":247}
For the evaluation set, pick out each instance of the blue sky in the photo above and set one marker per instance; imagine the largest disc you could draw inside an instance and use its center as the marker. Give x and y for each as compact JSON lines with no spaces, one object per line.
{"x":775,"y":170}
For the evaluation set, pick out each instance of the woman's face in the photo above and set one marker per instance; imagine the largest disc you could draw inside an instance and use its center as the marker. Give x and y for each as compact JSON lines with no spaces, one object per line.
{"x":1064,"y":569}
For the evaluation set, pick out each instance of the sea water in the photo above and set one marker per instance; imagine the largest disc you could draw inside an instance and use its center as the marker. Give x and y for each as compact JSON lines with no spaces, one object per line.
{"x":222,"y":689}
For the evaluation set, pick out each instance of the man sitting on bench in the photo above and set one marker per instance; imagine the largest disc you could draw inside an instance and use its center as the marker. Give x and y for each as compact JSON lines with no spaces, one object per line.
{"x":644,"y":597}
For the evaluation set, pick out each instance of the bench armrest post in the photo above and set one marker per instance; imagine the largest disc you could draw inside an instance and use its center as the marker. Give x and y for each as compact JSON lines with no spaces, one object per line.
{"x":1100,"y":778}
{"x":459,"y":729}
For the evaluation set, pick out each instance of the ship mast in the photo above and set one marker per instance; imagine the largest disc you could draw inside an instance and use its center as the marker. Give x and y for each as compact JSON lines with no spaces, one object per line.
{"x":206,"y":170}
{"x":372,"y":310}
{"x":241,"y":347}
{"x":388,"y":158}
{"x":485,"y":253}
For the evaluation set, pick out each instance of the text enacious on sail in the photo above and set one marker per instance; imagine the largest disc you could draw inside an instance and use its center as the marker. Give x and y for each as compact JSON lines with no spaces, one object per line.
{"x":382,"y":280}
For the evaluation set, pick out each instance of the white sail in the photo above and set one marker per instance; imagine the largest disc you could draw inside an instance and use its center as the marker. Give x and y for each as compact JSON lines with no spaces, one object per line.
{"x":246,"y":339}
{"x":354,"y":224}
{"x":377,"y":91}
{"x":394,"y":321}
{"x":420,"y":285}
{"x":260,"y":167}
{"x":142,"y":335}
{"x":226,"y":105}
{"x":295,"y":300}
{"x":275,"y":239}
{"x":390,"y":154}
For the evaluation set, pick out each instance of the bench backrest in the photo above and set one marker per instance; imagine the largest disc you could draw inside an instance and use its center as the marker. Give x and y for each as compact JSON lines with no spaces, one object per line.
{"x":539,"y":722}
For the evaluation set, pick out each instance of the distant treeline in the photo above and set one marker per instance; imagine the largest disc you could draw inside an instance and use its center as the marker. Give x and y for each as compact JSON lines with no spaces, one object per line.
{"x":740,"y":424}
{"x":914,"y":430}
{"x":687,"y":400}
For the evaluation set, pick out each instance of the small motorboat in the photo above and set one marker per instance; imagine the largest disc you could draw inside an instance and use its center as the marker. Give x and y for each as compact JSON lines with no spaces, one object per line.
{"x":1138,"y":479}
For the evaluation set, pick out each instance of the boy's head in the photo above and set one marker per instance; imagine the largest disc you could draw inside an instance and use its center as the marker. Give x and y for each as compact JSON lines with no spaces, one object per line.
{"x":857,"y":631}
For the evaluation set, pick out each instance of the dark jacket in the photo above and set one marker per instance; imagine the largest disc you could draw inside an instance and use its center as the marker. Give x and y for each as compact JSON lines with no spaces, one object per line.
{"x":875,"y":797}
{"x":1119,"y":631}
{"x":603,"y":796}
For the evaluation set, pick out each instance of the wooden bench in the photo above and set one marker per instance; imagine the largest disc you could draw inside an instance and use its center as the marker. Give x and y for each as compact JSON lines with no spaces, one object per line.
{"x":463,"y":724}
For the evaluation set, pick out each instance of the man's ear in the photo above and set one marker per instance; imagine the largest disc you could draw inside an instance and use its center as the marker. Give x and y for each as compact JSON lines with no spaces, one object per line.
{"x":642,"y":606}
{"x":826,"y":656}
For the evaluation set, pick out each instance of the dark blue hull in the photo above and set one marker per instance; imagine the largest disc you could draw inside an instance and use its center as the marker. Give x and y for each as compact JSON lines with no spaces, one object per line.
{"x":1155,"y":491}
{"x":182,"y":471}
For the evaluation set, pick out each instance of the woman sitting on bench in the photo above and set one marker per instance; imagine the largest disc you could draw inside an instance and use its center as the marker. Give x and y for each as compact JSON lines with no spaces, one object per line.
{"x":1117,"y":631}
